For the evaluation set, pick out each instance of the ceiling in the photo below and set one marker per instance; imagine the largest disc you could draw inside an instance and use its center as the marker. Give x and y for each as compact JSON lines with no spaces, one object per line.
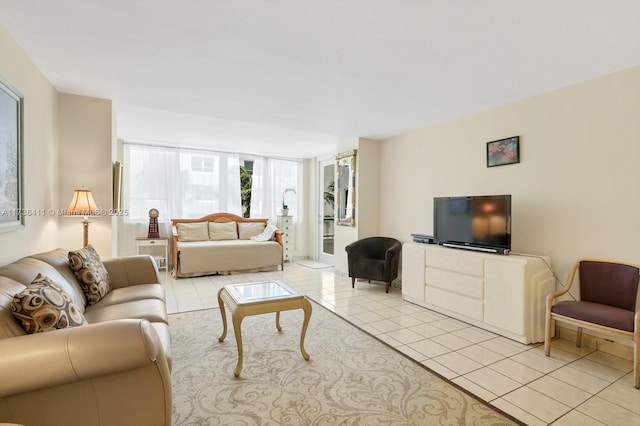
{"x":294,"y":78}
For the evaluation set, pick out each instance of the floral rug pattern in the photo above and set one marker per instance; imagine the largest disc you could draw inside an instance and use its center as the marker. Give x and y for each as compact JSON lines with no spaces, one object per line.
{"x":351,"y":378}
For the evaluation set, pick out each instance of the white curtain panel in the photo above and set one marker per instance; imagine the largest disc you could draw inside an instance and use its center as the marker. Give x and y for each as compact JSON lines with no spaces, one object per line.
{"x":180,"y":183}
{"x":271,"y":178}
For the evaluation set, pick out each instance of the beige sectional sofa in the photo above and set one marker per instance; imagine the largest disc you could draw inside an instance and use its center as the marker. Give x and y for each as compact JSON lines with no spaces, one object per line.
{"x":224,"y":243}
{"x":115,"y":370}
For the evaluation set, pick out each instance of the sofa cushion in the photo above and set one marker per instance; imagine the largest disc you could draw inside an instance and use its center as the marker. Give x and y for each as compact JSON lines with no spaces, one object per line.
{"x":91,"y":273}
{"x":219,"y":231}
{"x":153,"y":310}
{"x":44,"y":306}
{"x":196,"y":231}
{"x":249,"y":229}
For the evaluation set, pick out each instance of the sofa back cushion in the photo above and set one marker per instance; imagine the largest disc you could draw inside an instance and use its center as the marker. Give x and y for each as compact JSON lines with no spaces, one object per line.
{"x":194,"y":231}
{"x":44,"y":306}
{"x":9,"y":327}
{"x":246,"y":230}
{"x":24,"y":271}
{"x":219,"y":231}
{"x":59,"y":259}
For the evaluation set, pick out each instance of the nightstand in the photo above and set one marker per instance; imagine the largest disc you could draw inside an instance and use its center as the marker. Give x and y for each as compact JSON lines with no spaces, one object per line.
{"x":158,"y":248}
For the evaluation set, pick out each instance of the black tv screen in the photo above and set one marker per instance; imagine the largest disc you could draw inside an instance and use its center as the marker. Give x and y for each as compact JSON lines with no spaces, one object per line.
{"x":474,"y":221}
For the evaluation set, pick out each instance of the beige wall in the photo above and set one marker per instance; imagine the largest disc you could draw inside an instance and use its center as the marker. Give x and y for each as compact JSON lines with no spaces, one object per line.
{"x":40,"y":152}
{"x":67,"y":144}
{"x":87,"y":138}
{"x":575,"y":192}
{"x":367,"y":199}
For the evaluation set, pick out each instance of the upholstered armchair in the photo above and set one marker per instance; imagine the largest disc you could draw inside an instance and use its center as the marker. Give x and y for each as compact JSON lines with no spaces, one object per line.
{"x":374,"y":258}
{"x":607,"y":305}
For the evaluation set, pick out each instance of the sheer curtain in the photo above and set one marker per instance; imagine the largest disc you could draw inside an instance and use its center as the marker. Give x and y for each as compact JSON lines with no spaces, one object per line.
{"x":271,"y":178}
{"x":180,"y":183}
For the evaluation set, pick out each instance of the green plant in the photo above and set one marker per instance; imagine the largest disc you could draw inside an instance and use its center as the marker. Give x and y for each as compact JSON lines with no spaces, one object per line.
{"x":245,"y":191}
{"x":329,"y":197}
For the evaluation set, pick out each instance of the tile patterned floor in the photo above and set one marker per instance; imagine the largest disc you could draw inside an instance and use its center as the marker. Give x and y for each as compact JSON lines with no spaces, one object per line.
{"x":575,"y":386}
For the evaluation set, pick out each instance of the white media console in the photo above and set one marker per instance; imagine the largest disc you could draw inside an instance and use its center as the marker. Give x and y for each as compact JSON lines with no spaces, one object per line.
{"x":504,"y":294}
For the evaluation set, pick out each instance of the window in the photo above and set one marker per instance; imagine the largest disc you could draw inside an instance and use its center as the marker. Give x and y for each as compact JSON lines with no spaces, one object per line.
{"x":179,"y":182}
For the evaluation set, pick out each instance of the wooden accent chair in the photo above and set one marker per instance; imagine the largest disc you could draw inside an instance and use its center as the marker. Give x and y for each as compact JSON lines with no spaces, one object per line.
{"x":374,"y":258}
{"x":607,"y":305}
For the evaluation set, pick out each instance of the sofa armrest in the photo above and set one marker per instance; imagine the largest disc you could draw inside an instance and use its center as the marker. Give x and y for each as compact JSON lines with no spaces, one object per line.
{"x":43,"y":360}
{"x":132,"y":270}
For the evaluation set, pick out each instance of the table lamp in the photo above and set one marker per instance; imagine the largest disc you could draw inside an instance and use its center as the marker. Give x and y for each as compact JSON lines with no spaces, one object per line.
{"x":82,"y":204}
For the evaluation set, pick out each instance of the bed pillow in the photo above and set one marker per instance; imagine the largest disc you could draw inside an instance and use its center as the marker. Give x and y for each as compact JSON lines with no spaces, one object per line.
{"x":91,"y":273}
{"x":249,"y":229}
{"x":45,"y":306}
{"x":267,"y":234}
{"x":195,"y":231}
{"x":223,"y":231}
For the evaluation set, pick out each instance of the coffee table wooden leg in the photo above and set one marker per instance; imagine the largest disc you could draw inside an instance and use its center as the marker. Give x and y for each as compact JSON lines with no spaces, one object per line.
{"x":278,"y":321}
{"x":306,"y":307}
{"x":224,"y":317}
{"x":237,"y":318}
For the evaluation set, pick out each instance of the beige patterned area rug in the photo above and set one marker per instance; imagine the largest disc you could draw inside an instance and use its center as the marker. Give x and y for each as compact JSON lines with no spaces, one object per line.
{"x":351,"y":379}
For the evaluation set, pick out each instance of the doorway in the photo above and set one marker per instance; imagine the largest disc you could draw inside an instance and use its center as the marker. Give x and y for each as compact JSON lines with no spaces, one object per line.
{"x":326,"y":210}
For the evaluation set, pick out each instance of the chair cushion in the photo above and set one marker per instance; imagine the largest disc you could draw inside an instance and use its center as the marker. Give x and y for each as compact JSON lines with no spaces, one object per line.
{"x":45,"y":306}
{"x":608,"y":283}
{"x":91,"y":273}
{"x":608,"y":316}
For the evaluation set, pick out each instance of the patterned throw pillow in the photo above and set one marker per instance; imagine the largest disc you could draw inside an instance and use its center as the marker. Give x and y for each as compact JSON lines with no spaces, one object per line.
{"x":91,"y":273}
{"x":45,"y":306}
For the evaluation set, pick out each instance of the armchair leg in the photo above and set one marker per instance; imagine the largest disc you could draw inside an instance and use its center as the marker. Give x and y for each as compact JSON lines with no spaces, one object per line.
{"x":579,"y":337}
{"x":353,"y":282}
{"x":387,"y":289}
{"x":547,"y":336}
{"x":636,"y":350}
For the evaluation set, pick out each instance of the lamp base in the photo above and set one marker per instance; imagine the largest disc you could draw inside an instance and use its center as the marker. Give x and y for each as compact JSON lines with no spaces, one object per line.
{"x":85,"y":232}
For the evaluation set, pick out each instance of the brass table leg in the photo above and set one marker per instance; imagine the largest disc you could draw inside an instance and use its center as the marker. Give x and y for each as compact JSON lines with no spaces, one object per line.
{"x":306,"y":307}
{"x":237,"y":318}
{"x":224,"y":317}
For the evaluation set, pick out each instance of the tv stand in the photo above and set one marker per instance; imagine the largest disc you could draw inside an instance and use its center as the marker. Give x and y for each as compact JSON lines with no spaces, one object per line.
{"x":502,"y":294}
{"x":463,"y":246}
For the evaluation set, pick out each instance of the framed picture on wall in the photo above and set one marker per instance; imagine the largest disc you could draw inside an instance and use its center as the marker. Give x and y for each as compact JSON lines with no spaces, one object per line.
{"x":503,"y":151}
{"x":11,"y":183}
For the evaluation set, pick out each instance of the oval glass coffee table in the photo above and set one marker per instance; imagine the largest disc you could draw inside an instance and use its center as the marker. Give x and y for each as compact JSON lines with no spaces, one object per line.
{"x":260,"y":298}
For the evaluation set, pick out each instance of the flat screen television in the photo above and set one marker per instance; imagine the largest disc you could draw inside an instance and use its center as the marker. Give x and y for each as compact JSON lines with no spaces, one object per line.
{"x":476,"y":222}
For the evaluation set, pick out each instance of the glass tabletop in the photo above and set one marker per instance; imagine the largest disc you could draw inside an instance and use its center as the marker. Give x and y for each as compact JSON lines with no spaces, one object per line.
{"x":254,"y":292}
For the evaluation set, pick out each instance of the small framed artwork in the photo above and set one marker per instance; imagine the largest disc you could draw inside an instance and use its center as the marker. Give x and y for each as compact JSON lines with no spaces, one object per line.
{"x":503,"y":151}
{"x":11,"y":190}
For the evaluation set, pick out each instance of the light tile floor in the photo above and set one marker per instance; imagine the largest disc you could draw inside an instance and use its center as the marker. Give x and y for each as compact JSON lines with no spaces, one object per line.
{"x":575,"y":386}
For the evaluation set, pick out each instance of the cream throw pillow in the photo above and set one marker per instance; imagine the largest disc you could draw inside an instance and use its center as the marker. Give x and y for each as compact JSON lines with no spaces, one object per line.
{"x":196,"y":231}
{"x":250,"y":229}
{"x":222,"y":231}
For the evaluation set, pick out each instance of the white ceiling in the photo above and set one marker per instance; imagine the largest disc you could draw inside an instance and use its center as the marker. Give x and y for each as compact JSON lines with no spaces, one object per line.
{"x":297,"y":77}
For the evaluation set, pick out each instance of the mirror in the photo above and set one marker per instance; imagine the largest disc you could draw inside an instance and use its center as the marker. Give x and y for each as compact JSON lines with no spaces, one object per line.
{"x":345,"y":195}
